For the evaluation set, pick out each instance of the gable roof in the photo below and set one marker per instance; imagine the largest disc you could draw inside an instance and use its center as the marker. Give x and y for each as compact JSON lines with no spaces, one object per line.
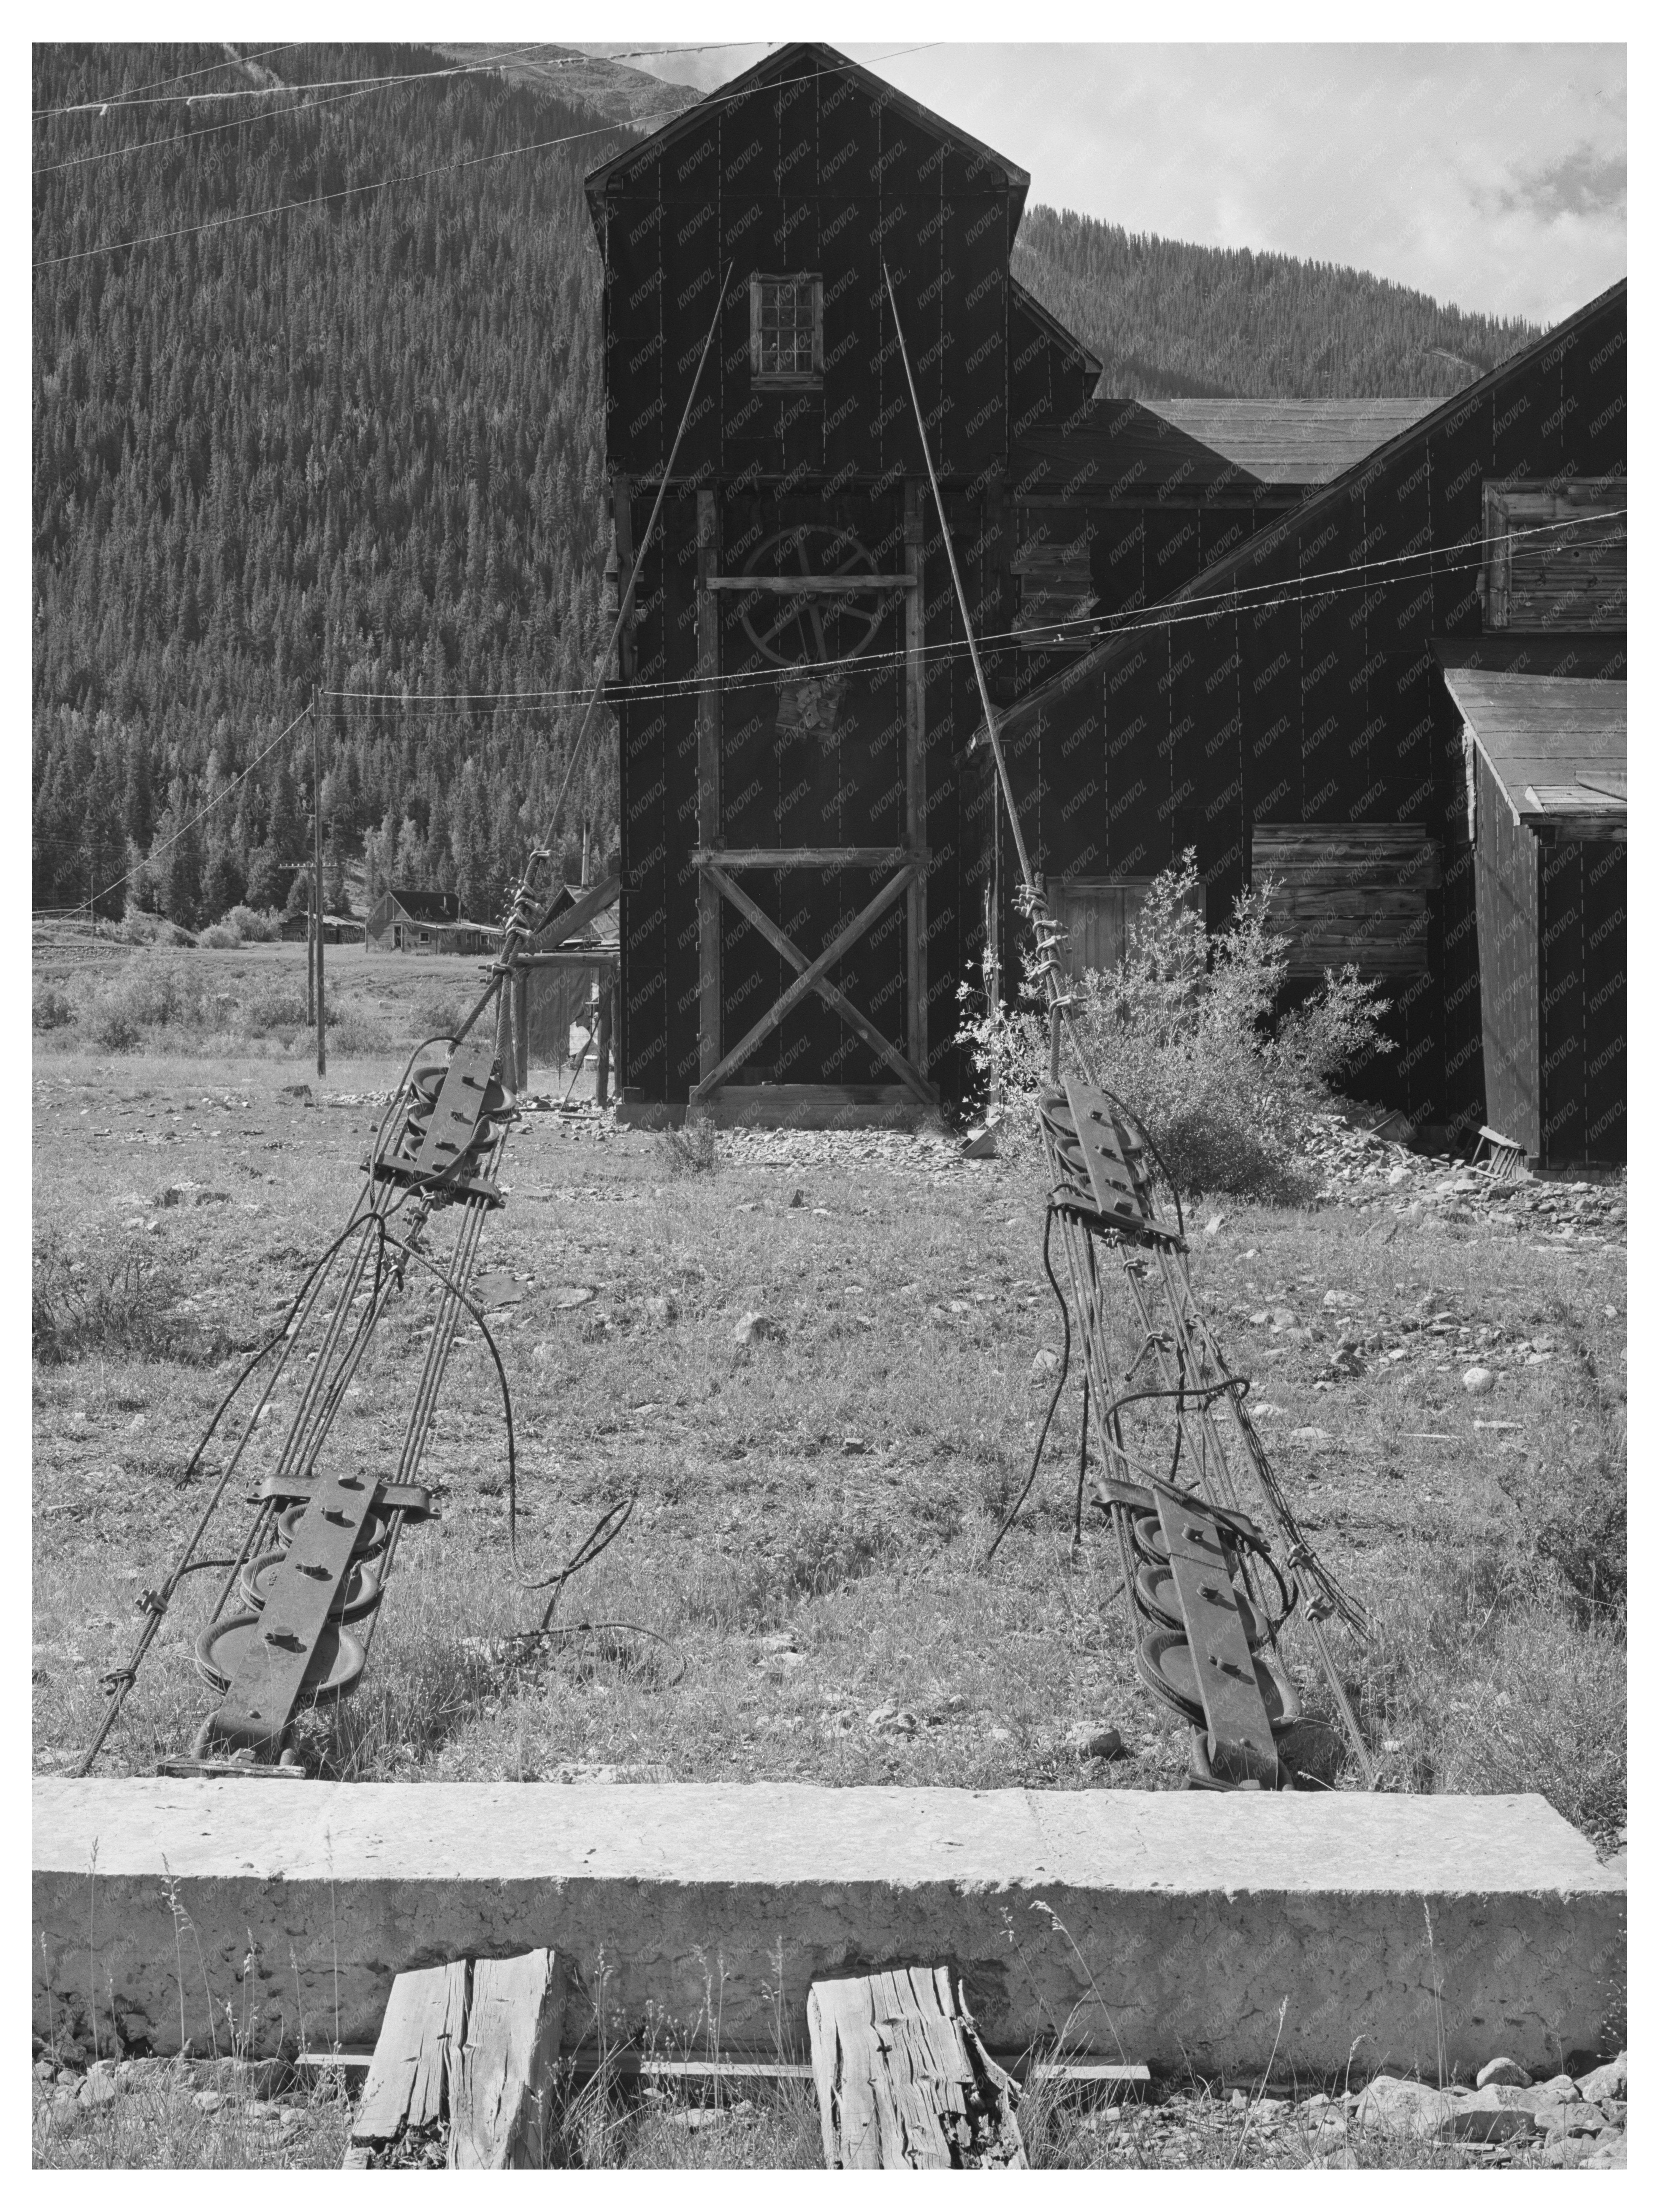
{"x":1293,"y":441}
{"x":799,"y":57}
{"x":428,"y":906}
{"x":1028,"y":304}
{"x":1252,"y":552}
{"x":1557,"y":746}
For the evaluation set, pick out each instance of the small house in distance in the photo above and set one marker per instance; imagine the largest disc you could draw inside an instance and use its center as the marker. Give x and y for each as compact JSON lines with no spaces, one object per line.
{"x":426,"y":921}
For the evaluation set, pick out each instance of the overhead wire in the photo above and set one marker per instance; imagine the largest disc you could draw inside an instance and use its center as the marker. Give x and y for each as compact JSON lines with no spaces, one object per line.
{"x":418,"y":176}
{"x":1170,"y":614}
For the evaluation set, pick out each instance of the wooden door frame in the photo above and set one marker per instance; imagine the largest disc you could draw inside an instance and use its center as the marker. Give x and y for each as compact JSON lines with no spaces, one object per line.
{"x":716,"y":865}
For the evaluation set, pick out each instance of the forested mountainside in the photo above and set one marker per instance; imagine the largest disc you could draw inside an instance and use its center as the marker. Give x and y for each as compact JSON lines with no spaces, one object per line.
{"x":1174,"y":321}
{"x":357,"y":445}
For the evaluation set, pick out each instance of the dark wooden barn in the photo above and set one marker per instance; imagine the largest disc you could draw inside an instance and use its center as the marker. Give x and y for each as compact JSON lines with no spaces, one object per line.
{"x":1545,"y":759}
{"x":1285,"y":711}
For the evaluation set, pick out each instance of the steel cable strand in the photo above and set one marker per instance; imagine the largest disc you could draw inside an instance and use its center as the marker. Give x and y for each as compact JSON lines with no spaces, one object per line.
{"x":604,"y":1533}
{"x":156,"y":1603}
{"x":1060,"y":1384}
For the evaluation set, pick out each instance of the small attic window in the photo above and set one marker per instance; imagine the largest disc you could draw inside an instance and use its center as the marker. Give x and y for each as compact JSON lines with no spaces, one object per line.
{"x":786,"y":332}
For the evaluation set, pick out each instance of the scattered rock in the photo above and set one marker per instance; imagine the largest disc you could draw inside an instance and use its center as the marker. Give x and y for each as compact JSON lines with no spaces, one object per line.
{"x":1610,"y":2080}
{"x":758,"y":1328}
{"x":208,"y":2100}
{"x":1089,"y":1740}
{"x":1213,"y":1227}
{"x":1503,"y":2073}
{"x":1043,"y":1364}
{"x":577,"y":1770}
{"x":213,"y":1198}
{"x":892,"y":1720}
{"x":1485,"y":2116}
{"x":176,"y":1193}
{"x":1317,"y":1437}
{"x":567,"y":1295}
{"x":98,"y":2087}
{"x":798,"y":1198}
{"x":1479,"y":1382}
{"x":662,"y":1309}
{"x":854,"y":1446}
{"x":1408,"y":2107}
{"x":300,"y":1090}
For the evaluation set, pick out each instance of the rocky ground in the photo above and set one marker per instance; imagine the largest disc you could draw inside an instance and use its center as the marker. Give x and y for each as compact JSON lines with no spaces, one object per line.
{"x":269,"y":2115}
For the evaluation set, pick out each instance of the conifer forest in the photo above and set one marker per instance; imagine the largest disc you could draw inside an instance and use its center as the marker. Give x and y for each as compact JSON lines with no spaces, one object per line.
{"x":318,"y":411}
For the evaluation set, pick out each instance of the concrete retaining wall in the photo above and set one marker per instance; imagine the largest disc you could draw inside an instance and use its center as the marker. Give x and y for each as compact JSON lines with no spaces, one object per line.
{"x":1165,"y":1928}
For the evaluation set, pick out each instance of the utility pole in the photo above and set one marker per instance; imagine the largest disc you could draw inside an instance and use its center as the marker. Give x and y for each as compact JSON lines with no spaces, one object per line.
{"x":317,"y":883}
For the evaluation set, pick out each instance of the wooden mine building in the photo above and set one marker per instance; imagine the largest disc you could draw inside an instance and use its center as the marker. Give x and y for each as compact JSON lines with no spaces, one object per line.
{"x":811,"y":854}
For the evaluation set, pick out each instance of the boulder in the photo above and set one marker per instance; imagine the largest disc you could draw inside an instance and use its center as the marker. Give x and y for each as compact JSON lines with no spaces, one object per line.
{"x":757,"y":1329}
{"x":1503,"y":2073}
{"x":1602,"y":2082}
{"x":1402,"y":2107}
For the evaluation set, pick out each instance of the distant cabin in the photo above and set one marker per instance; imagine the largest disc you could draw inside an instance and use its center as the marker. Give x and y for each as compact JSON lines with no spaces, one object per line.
{"x":427,"y":922}
{"x":338,"y":928}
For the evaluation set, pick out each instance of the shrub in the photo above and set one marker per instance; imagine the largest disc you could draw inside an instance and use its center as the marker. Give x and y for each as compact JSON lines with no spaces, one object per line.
{"x":52,"y":1009}
{"x":118,"y":1302}
{"x":253,"y":927}
{"x":1190,"y":1030}
{"x":356,"y":1031}
{"x":150,"y":995}
{"x":693,"y":1150}
{"x":216,"y":938}
{"x":276,"y":1009}
{"x":439,"y":1009}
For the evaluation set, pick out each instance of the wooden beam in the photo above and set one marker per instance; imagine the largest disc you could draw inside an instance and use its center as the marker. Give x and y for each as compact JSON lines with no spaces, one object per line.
{"x":806,"y":981}
{"x":808,"y":856}
{"x":600,"y":957}
{"x":802,"y":586}
{"x":621,"y":514}
{"x":903,"y":2080}
{"x":577,"y":916}
{"x":708,"y":786}
{"x":852,"y":1015}
{"x":502,"y":2088}
{"x":915,"y":776}
{"x":408,"y":2084}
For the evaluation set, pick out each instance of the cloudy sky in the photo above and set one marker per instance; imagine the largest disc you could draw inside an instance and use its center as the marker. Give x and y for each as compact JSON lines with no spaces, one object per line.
{"x":1492,"y":176}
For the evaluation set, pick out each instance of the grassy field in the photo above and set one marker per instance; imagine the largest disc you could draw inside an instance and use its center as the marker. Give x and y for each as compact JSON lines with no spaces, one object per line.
{"x":806,"y":1549}
{"x":812,"y":1512}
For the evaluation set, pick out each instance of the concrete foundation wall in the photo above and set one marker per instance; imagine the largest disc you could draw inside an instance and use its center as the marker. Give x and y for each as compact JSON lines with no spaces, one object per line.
{"x":1164,"y":1928}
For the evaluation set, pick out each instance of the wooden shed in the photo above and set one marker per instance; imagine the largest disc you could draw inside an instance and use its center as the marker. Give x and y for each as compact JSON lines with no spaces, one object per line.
{"x":568,"y":979}
{"x":1545,"y":759}
{"x":810,"y":848}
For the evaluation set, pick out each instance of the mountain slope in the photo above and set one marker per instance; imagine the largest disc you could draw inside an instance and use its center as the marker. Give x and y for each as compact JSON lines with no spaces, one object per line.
{"x":1170,"y":320}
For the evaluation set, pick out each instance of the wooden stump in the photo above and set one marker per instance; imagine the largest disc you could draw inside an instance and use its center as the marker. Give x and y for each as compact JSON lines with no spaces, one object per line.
{"x":903,"y":2080}
{"x":465,"y":2058}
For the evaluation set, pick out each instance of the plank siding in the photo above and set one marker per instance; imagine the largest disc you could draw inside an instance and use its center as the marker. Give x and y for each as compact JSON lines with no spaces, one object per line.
{"x":1507,"y":909}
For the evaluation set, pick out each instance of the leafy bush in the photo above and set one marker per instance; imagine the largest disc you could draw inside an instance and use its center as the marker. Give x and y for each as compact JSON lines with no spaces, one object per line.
{"x":1190,"y":1030}
{"x":150,"y":994}
{"x":253,"y":927}
{"x":215,"y":938}
{"x":356,"y":1029}
{"x":440,"y":1008}
{"x":276,"y":1009}
{"x":138,"y":928}
{"x":52,"y":1009}
{"x":693,"y":1150}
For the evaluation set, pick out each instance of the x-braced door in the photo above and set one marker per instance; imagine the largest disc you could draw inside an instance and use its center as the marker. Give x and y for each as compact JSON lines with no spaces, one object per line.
{"x":787,"y":602}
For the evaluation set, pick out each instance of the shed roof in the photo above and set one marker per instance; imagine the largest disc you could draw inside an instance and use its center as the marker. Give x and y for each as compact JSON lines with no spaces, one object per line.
{"x":1293,"y":441}
{"x":1556,"y":745}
